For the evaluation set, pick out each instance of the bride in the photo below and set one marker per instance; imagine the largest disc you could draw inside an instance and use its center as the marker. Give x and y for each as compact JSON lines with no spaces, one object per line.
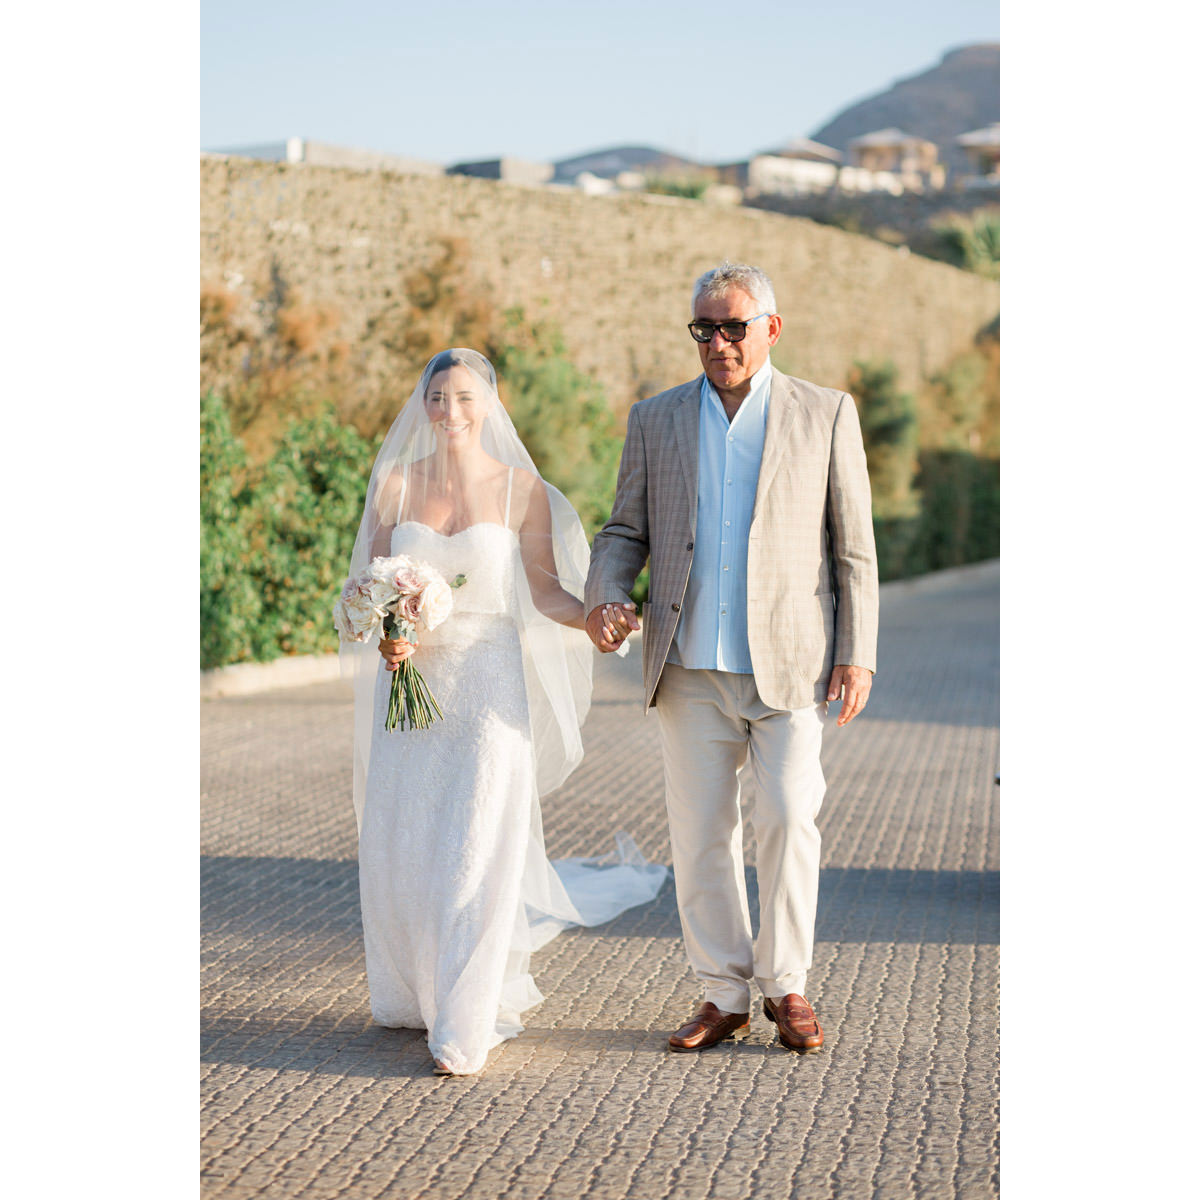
{"x":455,"y":885}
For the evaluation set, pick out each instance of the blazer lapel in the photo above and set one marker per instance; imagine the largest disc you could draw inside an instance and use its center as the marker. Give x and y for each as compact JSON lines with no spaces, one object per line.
{"x":780,"y":415}
{"x":687,"y":438}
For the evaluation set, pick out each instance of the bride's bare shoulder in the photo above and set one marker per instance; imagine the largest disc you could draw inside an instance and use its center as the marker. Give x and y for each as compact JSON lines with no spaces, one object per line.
{"x":389,"y":492}
{"x":530,"y":506}
{"x":525,"y":483}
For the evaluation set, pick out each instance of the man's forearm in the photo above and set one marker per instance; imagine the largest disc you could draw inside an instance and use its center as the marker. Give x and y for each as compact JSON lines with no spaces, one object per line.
{"x":620,"y":549}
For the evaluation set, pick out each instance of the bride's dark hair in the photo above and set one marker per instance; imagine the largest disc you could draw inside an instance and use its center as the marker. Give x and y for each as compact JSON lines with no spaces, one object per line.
{"x":460,"y":357}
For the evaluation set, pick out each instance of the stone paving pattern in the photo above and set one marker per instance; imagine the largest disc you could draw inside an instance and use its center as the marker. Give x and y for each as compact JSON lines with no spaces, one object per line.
{"x":304,"y":1097}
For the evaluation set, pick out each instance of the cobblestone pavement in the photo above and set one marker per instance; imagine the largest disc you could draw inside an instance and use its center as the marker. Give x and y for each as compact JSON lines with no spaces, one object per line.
{"x":304,"y":1097}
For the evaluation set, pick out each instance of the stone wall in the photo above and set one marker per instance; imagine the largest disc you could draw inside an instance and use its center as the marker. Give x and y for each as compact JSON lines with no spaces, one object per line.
{"x":908,"y":215}
{"x":614,"y":271}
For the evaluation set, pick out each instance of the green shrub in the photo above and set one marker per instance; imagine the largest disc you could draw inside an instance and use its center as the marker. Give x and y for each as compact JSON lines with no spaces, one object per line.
{"x":686,"y":187}
{"x":970,"y":242}
{"x":230,"y":606}
{"x":933,"y":508}
{"x":889,"y":425}
{"x":275,"y":540}
{"x":562,"y":416}
{"x":961,"y":510}
{"x":304,"y":517}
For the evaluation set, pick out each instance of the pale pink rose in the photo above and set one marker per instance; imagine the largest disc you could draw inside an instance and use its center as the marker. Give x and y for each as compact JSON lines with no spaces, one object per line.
{"x":406,"y":579}
{"x":408,"y":609}
{"x":435,"y":603}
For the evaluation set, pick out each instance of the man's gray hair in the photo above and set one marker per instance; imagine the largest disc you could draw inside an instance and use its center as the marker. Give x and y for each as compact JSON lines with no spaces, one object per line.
{"x":729,"y":275}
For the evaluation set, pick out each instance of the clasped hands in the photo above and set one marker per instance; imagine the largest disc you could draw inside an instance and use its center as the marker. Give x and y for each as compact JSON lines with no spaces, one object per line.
{"x":608,"y":625}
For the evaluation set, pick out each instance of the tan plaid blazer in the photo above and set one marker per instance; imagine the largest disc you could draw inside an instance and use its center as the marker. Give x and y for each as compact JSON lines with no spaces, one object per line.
{"x":813,"y":586}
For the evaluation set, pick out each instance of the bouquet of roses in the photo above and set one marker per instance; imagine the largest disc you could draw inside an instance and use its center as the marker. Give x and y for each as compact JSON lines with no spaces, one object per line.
{"x":397,"y":597}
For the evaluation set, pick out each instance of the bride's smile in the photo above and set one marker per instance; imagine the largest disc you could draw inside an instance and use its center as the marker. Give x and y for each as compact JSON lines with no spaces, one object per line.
{"x":455,"y":407}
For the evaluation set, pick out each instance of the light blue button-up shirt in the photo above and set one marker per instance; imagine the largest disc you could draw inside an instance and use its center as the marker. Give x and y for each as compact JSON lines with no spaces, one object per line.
{"x":712,"y":624}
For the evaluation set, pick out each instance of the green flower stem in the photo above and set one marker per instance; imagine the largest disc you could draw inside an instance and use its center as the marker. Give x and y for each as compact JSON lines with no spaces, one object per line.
{"x":410,"y":703}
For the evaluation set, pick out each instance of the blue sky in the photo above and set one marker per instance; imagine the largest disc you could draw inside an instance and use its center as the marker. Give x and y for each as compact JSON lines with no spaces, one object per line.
{"x":463,"y":79}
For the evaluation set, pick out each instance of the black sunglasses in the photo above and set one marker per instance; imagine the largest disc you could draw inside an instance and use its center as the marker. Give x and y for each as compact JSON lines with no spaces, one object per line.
{"x":731,"y":331}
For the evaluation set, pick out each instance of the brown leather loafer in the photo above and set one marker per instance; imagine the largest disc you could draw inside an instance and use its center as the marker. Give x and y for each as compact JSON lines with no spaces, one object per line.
{"x":708,"y":1027}
{"x":799,"y":1028}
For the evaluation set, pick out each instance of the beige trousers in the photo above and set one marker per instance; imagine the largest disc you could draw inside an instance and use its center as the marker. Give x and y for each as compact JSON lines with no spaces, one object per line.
{"x":712,"y":722}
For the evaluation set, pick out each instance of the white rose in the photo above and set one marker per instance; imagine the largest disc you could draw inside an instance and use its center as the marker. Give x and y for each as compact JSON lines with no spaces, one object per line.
{"x":341,"y":620}
{"x":435,"y":603}
{"x":381,"y":592}
{"x":362,"y":614}
{"x":383,"y":568}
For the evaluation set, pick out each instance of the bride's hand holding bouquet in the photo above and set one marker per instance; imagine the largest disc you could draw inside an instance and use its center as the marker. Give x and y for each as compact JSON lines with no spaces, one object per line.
{"x":395,"y":598}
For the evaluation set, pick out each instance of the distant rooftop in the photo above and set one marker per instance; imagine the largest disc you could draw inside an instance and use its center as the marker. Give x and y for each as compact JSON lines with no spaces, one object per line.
{"x":886,"y":137}
{"x":807,"y":149}
{"x":988,"y":136}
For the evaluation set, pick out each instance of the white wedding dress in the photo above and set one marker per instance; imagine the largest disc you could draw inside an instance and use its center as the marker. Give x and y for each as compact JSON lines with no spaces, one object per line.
{"x":455,"y":885}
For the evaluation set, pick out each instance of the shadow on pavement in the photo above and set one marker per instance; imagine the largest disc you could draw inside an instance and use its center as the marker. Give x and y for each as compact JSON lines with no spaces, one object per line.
{"x":326,"y":1046}
{"x":293,"y":897}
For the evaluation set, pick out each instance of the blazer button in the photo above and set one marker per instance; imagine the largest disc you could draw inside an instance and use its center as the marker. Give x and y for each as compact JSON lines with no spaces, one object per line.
{"x":689,"y":545}
{"x":674,"y":607}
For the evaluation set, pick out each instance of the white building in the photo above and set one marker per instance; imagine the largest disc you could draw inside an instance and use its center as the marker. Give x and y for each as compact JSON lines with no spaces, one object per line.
{"x":325,"y":154}
{"x":772,"y":175}
{"x":982,"y":148}
{"x":890,"y":160}
{"x":801,"y":168}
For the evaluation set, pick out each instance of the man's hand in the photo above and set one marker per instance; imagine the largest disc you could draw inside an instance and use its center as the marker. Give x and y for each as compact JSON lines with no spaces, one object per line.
{"x":856,"y":684}
{"x":608,"y":625}
{"x":395,"y":651}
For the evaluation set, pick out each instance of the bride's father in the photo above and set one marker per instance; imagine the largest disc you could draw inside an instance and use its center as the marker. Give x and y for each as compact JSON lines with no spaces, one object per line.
{"x":747,"y":490}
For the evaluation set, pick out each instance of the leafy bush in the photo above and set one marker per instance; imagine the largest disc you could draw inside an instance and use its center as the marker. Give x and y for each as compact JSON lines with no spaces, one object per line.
{"x":687,"y":187}
{"x":938,"y":506}
{"x":971,"y":242}
{"x":230,"y":606}
{"x":562,"y":416}
{"x":303,"y":518}
{"x":275,"y":539}
{"x":960,"y":521}
{"x":889,"y":424}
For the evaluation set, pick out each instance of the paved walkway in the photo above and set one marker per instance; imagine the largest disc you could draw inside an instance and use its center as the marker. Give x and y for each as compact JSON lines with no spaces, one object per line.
{"x":304,"y":1097}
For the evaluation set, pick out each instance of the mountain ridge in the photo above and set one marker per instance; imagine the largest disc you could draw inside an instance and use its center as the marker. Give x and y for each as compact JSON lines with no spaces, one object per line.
{"x":957,"y":95}
{"x":960,"y":93}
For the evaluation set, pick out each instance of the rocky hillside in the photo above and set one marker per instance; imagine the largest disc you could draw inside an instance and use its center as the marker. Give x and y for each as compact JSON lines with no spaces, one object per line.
{"x":608,"y":164}
{"x":960,"y":94}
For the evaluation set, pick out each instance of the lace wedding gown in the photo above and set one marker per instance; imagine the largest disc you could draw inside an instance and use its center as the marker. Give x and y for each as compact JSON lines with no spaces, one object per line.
{"x":455,"y":885}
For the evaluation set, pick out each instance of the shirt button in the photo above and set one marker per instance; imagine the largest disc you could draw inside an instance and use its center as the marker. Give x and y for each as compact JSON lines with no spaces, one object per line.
{"x":724,"y":568}
{"x":674,"y":607}
{"x":727,"y":524}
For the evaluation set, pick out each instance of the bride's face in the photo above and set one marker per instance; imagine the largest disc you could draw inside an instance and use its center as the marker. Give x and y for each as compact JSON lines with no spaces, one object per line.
{"x":456,"y":403}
